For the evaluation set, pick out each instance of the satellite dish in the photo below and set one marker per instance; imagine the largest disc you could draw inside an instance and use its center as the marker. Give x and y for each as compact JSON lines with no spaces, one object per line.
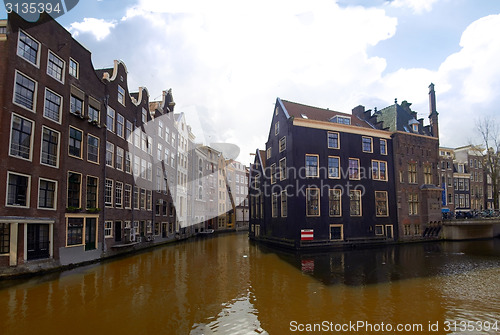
{"x":229,"y":150}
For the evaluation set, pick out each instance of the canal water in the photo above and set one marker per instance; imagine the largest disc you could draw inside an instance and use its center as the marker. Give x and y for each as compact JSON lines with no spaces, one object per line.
{"x":228,"y":285}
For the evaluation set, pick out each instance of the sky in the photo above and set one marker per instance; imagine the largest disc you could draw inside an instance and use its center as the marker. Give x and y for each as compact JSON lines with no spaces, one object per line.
{"x":227,"y":61}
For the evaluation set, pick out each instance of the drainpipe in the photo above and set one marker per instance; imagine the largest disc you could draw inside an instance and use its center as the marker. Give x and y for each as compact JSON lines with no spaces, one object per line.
{"x":106,"y":99}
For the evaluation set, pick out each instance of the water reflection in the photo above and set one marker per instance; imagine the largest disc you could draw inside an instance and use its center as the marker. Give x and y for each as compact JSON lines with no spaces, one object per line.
{"x":226,"y":285}
{"x":392,"y":263}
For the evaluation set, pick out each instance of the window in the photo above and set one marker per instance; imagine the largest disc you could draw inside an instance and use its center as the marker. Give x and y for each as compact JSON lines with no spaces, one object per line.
{"x":4,"y":238}
{"x":143,"y":198}
{"x":127,"y":194}
{"x":367,"y":144}
{"x":47,"y":194}
{"x":268,"y":153}
{"x":383,"y":147}
{"x":284,"y":204}
{"x":413,"y":204}
{"x":144,"y":116}
{"x":93,"y":114}
{"x":274,"y":207}
{"x":74,"y":231}
{"x":121,"y":95}
{"x":55,"y":67}
{"x":341,"y":119}
{"x":110,"y":119}
{"x":76,"y":105}
{"x":312,"y":202}
{"x":355,"y":202}
{"x":18,"y":190}
{"x":25,"y":92}
{"x":427,"y":174}
{"x":120,"y":124}
{"x":28,"y":47}
{"x":128,"y":162}
{"x":283,"y":172}
{"x":336,"y":232}
{"x":110,"y":153}
{"x":118,"y":194}
{"x":333,"y":167}
{"x":334,"y":202}
{"x":128,"y":131}
{"x":108,"y":229}
{"x":379,"y":170}
{"x":108,"y":193}
{"x":119,"y":158}
{"x":75,"y":142}
{"x":20,"y":137}
{"x":149,"y":198}
{"x":50,"y":147}
{"x":136,"y":197}
{"x":283,"y":144}
{"x":74,"y":187}
{"x":312,"y":166}
{"x":379,"y":230}
{"x":159,"y":152}
{"x":92,"y":186}
{"x":412,"y":173}
{"x":277,"y":128}
{"x":93,"y":149}
{"x":354,"y":168}
{"x":381,"y":203}
{"x":273,"y":173}
{"x":73,"y":68}
{"x":333,"y":140}
{"x":53,"y":106}
{"x":160,"y":129}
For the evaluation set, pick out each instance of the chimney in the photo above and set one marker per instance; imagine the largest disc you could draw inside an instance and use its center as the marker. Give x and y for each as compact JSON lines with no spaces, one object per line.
{"x":432,"y":99}
{"x":433,"y":114}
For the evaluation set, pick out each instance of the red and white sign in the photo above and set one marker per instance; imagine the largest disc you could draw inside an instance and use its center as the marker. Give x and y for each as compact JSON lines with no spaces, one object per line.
{"x":307,"y":234}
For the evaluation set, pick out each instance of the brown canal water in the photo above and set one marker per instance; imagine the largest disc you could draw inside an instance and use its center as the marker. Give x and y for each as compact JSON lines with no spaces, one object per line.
{"x":228,"y":285}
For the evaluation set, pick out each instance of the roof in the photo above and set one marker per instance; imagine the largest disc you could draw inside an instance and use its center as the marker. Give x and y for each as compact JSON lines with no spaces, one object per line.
{"x":297,"y":110}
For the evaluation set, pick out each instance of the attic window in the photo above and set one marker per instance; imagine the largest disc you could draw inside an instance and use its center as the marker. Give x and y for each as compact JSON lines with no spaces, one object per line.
{"x":341,"y":119}
{"x":415,"y":127}
{"x":304,"y":116}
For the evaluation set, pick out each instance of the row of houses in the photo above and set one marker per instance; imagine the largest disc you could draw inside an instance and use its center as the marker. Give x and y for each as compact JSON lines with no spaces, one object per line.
{"x":467,"y":187}
{"x":89,"y":168}
{"x":328,"y":178}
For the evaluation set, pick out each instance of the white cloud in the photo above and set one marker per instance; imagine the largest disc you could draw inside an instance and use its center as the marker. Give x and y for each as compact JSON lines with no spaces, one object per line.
{"x":98,"y":27}
{"x":227,"y":63}
{"x":418,"y":6}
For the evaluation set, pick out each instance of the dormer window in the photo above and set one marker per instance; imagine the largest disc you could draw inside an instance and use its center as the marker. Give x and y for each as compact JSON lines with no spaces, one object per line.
{"x":341,"y":119}
{"x":415,"y":128}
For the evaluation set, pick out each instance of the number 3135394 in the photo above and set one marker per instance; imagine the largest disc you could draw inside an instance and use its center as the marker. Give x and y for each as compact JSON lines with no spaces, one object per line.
{"x":32,"y":7}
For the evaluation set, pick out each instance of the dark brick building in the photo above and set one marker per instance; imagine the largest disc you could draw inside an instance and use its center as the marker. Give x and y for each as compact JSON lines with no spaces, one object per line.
{"x":330,"y":178}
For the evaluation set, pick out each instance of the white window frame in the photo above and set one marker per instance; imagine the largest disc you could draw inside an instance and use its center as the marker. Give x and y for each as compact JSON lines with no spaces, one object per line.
{"x":58,"y":148}
{"x":31,"y":136}
{"x":28,"y":190}
{"x":35,"y":91}
{"x":58,"y":121}
{"x":37,"y":64}
{"x":63,"y":70}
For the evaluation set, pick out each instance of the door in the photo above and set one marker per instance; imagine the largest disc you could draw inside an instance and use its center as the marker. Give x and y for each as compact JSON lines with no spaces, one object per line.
{"x":90,"y":233}
{"x":389,"y":232}
{"x":118,"y":231}
{"x":38,"y":243}
{"x":163,"y":229}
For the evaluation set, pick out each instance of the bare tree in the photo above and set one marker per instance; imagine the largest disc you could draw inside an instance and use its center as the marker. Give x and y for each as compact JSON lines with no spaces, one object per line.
{"x":490,"y":134}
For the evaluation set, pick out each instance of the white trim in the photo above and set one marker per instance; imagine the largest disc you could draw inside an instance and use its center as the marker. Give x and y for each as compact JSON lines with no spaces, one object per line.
{"x":37,"y":65}
{"x":28,"y":190}
{"x":35,"y":95}
{"x":31,"y":137}
{"x":63,"y":70}
{"x":58,"y":148}
{"x":59,"y":121}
